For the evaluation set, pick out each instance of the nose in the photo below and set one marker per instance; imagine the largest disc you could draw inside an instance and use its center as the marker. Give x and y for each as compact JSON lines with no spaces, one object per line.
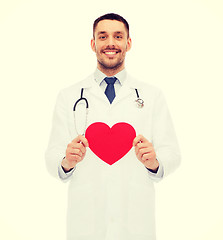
{"x":110,"y":42}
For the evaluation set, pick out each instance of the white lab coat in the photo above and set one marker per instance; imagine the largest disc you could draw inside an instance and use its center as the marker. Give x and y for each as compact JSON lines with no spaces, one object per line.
{"x":112,"y":202}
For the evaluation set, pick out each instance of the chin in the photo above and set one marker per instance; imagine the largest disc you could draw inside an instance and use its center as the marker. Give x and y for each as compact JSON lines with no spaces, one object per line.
{"x":111,"y":65}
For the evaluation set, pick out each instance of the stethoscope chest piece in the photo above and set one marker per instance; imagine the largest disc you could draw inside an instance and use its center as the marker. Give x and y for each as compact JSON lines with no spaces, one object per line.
{"x":139,"y":103}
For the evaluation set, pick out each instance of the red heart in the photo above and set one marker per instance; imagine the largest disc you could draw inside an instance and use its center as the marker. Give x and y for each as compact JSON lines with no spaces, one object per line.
{"x":110,"y":144}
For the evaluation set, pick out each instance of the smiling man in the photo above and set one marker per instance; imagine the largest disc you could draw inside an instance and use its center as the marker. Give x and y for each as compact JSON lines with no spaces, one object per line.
{"x":111,"y":42}
{"x":115,"y":199}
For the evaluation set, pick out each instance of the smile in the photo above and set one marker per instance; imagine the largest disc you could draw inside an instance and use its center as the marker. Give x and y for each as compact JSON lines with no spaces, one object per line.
{"x":111,"y":53}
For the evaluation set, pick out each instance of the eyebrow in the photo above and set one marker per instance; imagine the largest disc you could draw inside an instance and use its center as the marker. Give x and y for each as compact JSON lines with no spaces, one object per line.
{"x":101,"y":32}
{"x":117,"y":32}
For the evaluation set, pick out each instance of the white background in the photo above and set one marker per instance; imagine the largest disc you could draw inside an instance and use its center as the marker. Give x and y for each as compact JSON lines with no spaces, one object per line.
{"x":45,"y":46}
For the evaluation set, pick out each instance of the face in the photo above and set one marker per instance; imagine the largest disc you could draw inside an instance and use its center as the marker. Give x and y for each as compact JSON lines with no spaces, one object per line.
{"x":110,"y":45}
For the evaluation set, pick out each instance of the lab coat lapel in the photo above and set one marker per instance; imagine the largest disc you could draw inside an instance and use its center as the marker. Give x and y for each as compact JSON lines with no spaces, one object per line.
{"x":94,"y":89}
{"x":128,"y":88}
{"x":123,"y":92}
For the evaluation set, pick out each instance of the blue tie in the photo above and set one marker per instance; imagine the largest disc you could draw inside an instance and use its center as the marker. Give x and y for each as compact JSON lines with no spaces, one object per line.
{"x":110,"y":90}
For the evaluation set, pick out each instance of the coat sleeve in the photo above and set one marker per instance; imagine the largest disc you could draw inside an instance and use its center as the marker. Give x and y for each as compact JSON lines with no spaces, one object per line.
{"x":164,"y":138}
{"x":59,"y":139}
{"x":156,"y":177}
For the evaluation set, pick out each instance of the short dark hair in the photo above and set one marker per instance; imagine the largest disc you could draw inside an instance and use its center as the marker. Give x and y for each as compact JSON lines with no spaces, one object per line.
{"x":111,"y":16}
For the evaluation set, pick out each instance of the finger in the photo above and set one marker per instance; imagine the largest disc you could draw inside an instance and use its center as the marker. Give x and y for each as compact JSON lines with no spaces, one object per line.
{"x":142,"y":145}
{"x":139,"y":139}
{"x":79,"y":146}
{"x":145,"y":150}
{"x":141,"y":152}
{"x":146,"y":157}
{"x":72,"y":158}
{"x":75,"y":151}
{"x":75,"y":158}
{"x":149,"y":156}
{"x":81,"y":139}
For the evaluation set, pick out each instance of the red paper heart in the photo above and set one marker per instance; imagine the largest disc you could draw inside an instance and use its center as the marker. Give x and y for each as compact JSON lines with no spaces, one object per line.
{"x":110,"y":144}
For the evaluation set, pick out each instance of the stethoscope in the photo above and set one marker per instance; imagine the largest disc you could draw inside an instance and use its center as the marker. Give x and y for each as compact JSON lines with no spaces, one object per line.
{"x":139,"y":103}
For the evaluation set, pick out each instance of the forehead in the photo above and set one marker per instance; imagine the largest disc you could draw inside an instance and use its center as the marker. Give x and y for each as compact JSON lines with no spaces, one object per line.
{"x":110,"y":26}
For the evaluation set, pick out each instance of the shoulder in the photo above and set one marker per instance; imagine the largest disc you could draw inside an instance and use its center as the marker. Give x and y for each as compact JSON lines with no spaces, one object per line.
{"x":76,"y":88}
{"x":149,"y":93}
{"x":143,"y":87}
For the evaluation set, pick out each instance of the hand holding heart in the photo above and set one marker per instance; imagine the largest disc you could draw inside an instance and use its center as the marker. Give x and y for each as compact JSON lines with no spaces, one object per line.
{"x":75,"y":152}
{"x":102,"y":146}
{"x":145,"y":152}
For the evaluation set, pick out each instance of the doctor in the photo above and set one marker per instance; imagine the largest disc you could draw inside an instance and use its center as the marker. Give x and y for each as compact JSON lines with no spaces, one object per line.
{"x":112,"y":202}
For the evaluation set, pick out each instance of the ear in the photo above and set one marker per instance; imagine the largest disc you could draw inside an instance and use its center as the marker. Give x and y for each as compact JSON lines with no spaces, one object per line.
{"x":93,"y":45}
{"x":129,"y":44}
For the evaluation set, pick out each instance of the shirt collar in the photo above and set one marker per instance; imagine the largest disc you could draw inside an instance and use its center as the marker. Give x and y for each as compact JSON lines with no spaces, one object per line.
{"x":99,"y":76}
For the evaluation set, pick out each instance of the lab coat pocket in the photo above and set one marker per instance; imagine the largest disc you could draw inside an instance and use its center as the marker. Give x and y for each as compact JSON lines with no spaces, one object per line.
{"x":141,"y":212}
{"x":80,"y":217}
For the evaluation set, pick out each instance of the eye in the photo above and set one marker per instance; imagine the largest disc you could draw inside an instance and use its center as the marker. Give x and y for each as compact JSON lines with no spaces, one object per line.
{"x":102,"y":37}
{"x":118,"y":37}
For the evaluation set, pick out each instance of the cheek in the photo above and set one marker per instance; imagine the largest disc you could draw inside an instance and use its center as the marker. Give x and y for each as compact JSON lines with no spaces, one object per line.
{"x":99,"y":49}
{"x":124,"y":47}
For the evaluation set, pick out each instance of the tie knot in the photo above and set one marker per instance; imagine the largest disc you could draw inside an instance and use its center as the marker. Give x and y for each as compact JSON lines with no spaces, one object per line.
{"x":110,"y":80}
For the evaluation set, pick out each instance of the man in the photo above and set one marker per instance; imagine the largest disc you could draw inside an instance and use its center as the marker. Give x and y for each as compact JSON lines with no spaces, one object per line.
{"x":112,"y":201}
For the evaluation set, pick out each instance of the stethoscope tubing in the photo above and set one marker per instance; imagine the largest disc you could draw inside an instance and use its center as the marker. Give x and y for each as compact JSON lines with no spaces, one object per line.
{"x":139,"y":102}
{"x":80,"y":99}
{"x":86,"y":101}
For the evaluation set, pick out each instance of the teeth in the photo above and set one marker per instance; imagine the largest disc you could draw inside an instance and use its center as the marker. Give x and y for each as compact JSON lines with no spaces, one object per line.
{"x":110,"y":53}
